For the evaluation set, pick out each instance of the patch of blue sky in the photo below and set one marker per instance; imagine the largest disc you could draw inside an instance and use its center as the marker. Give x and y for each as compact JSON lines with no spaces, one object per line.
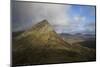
{"x":88,"y":12}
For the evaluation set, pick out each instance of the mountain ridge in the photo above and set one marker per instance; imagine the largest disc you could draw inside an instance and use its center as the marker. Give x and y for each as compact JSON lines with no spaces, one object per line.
{"x":41,"y":44}
{"x":45,"y":31}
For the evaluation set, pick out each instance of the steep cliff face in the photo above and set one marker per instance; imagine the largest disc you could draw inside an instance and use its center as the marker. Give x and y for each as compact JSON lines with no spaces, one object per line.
{"x":41,"y":44}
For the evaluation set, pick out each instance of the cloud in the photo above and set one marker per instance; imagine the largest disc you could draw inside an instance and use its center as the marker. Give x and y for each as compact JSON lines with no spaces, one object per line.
{"x":79,"y":18}
{"x":26,"y":14}
{"x":90,"y":27}
{"x":64,"y":18}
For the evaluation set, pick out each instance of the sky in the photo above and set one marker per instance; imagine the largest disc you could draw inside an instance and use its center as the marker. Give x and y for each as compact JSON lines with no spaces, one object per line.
{"x":65,"y":18}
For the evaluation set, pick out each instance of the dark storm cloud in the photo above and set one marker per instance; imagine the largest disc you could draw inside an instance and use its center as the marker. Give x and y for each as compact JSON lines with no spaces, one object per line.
{"x":28,"y":14}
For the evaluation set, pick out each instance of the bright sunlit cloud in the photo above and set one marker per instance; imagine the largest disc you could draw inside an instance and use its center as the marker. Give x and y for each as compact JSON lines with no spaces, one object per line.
{"x":79,"y":18}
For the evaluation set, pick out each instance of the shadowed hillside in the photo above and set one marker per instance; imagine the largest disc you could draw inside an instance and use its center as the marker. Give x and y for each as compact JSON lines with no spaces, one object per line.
{"x":42,"y":45}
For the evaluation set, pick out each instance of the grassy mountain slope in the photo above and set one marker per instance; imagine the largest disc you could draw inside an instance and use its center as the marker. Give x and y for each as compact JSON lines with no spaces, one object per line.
{"x":42,"y":45}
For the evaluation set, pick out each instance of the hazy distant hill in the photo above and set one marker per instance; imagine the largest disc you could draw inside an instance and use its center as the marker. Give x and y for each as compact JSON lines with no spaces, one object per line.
{"x":42,"y":45}
{"x":87,"y":40}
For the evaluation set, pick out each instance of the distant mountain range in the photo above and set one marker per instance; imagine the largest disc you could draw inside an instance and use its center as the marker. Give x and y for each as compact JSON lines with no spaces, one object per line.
{"x":42,"y":45}
{"x":84,"y":36}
